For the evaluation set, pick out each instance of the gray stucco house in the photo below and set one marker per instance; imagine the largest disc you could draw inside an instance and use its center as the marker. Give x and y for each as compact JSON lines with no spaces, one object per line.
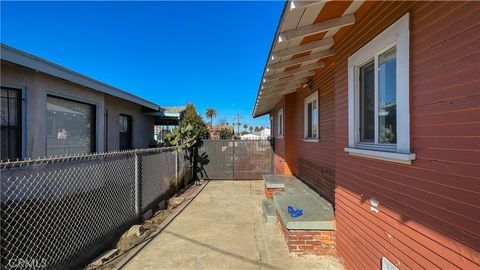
{"x":49,"y":110}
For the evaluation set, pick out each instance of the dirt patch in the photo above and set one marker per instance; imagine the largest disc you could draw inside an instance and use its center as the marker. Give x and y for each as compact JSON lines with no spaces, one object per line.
{"x":140,"y":232}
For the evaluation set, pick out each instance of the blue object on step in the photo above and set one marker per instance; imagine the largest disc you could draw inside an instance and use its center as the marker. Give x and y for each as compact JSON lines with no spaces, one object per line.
{"x":297,"y":213}
{"x":290,"y":209}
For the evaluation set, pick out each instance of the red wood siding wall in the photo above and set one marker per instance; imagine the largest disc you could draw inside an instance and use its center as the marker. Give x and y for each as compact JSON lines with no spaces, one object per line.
{"x":284,"y":161}
{"x":314,"y":160}
{"x":429,"y":211}
{"x":289,"y":139}
{"x":279,"y":143}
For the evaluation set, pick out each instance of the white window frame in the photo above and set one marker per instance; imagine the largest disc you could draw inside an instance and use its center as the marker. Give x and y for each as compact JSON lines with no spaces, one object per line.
{"x":309,"y":99}
{"x":280,"y":123}
{"x":395,"y":35}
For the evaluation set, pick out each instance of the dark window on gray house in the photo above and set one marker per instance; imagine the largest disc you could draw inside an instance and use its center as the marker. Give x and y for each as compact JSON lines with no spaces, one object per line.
{"x":11,"y":123}
{"x":70,"y":127}
{"x":125,"y":132}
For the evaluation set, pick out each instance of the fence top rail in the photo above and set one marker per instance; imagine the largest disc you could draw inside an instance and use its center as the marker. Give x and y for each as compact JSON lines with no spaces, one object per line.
{"x":83,"y":156}
{"x":237,"y":140}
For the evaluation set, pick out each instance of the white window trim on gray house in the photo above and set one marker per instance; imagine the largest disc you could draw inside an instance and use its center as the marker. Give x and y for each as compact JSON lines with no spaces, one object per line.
{"x":397,"y":35}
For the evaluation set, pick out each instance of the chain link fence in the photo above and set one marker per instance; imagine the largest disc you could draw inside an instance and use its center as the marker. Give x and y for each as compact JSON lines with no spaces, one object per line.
{"x":60,"y":212}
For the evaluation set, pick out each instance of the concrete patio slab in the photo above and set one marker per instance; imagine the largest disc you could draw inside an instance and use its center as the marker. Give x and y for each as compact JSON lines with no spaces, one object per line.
{"x":224,"y":228}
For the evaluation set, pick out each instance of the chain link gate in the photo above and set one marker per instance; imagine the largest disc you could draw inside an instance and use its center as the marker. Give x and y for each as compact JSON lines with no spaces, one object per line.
{"x":235,"y":159}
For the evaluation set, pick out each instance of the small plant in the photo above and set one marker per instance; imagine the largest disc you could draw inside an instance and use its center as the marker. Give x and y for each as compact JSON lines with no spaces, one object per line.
{"x":182,"y":136}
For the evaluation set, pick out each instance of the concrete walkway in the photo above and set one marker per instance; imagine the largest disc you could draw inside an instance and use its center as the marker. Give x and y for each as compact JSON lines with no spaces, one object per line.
{"x":223,"y":228}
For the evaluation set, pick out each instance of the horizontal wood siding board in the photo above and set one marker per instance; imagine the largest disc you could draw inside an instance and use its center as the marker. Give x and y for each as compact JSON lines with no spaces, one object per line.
{"x":418,"y":181}
{"x":428,"y":210}
{"x":413,"y":208}
{"x":290,"y":106}
{"x":279,"y":144}
{"x":316,"y":160}
{"x":399,"y":245}
{"x":425,"y":238}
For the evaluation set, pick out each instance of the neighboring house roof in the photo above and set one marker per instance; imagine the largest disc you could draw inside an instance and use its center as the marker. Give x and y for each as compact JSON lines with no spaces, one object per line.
{"x":174,"y":111}
{"x":169,"y":112}
{"x":305,"y":36}
{"x":39,"y":64}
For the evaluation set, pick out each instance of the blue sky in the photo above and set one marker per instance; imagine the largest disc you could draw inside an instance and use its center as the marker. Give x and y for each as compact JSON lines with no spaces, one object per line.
{"x":171,"y":53}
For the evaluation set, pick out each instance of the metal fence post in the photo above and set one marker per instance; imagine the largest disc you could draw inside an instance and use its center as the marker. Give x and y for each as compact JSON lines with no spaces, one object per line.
{"x":138,"y":197}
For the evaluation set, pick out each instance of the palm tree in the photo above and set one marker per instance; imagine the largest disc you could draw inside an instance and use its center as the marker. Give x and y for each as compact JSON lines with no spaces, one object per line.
{"x":211,"y":113}
{"x":245,"y":127}
{"x":251,"y":129}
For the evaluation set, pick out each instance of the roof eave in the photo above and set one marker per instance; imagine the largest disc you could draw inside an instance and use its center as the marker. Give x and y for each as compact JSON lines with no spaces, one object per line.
{"x":21,"y":58}
{"x":254,"y":114}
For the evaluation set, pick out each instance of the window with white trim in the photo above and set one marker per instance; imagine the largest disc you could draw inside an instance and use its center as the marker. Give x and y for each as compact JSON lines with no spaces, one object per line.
{"x":378,"y":96}
{"x":311,"y":117}
{"x":280,"y":123}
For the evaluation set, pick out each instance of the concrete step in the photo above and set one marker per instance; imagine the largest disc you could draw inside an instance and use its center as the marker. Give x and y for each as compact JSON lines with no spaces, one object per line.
{"x":278,"y":181}
{"x":317,"y":213}
{"x":269,"y":211}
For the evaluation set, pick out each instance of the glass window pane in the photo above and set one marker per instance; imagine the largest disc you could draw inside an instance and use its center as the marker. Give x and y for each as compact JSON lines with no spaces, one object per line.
{"x":12,"y":111}
{"x":281,"y":124}
{"x":125,"y":132}
{"x":309,"y":120}
{"x":4,"y":111}
{"x":122,"y":123}
{"x":387,"y":92}
{"x":314,"y":119}
{"x":10,"y":120}
{"x":367,"y":102}
{"x":70,"y":127}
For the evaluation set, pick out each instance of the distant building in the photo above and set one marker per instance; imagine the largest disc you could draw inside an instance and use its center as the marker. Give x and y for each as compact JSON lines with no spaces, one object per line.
{"x":250,"y":137}
{"x":263,"y":134}
{"x":166,"y":119}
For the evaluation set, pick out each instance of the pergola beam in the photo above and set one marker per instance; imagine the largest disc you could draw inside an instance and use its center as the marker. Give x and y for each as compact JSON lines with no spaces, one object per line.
{"x":303,"y":4}
{"x":315,"y":45}
{"x":310,"y":73}
{"x":317,"y":28}
{"x":280,"y":91}
{"x":276,"y":84}
{"x":300,"y":60}
{"x":291,"y":72}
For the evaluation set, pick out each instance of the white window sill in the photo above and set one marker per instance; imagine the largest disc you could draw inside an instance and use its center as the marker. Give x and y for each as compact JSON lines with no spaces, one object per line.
{"x":310,"y":140}
{"x":279,"y":137}
{"x":404,"y":158}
